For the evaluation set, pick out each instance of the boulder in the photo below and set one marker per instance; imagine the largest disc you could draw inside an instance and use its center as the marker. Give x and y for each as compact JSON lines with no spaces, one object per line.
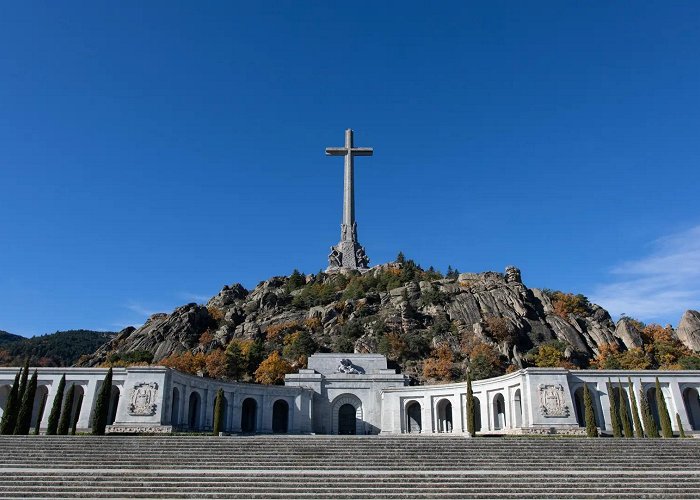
{"x":689,"y":330}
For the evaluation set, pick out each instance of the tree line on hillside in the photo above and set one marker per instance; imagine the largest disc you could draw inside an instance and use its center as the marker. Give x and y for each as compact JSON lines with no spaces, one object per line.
{"x":55,"y":349}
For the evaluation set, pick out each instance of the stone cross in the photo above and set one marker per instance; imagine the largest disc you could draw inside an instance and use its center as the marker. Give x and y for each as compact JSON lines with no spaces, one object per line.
{"x":348,"y":254}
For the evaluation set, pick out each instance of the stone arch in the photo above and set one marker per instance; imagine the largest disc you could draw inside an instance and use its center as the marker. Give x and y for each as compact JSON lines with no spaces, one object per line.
{"x":580,"y":407}
{"x":39,"y":409}
{"x":78,"y":397}
{"x":195,"y":408}
{"x":114,"y":396}
{"x":499,"y":412}
{"x":651,"y":397}
{"x":280,"y":416}
{"x":517,"y":409}
{"x":175,"y":407}
{"x":414,"y":423}
{"x":444,"y":415}
{"x":338,"y":403}
{"x":692,"y":407}
{"x":477,"y":414}
{"x":249,"y":415}
{"x":4,"y":392}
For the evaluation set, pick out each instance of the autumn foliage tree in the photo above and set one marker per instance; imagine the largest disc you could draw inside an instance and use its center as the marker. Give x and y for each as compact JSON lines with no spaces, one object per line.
{"x":272,"y":370}
{"x":440,"y":366}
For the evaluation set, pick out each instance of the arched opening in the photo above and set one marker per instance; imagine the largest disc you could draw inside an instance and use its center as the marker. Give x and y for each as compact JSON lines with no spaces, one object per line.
{"x":113,"y":405}
{"x":280,"y":416}
{"x":4,"y":392}
{"x":39,"y":408}
{"x":346,"y":419}
{"x":651,"y":396}
{"x":580,"y":407}
{"x":194,"y":411}
{"x":413,"y":417}
{"x":77,"y":406}
{"x":518,"y":409}
{"x":692,"y":407}
{"x":175,"y":407}
{"x":477,"y":414}
{"x":249,"y":415}
{"x":444,"y":412}
{"x":499,"y":412}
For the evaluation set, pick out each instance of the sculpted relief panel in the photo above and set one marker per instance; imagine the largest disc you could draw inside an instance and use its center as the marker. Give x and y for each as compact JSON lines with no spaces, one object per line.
{"x":143,"y":399}
{"x":552,"y":400}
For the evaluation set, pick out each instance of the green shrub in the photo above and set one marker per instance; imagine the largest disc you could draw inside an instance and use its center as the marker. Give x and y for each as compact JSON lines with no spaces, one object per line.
{"x":56,"y":408}
{"x":638,"y":430}
{"x":664,"y":417}
{"x":649,"y":423}
{"x":218,"y":412}
{"x":9,"y":418}
{"x":614,"y":416}
{"x":471,"y":416}
{"x":67,"y":412}
{"x":624,"y":416}
{"x":681,"y":431}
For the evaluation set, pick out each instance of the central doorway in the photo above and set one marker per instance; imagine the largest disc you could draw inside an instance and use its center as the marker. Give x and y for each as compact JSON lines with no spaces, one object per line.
{"x":346,"y":419}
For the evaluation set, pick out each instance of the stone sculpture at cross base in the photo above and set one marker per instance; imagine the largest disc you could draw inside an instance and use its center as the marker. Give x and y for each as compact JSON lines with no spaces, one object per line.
{"x":348,"y":253}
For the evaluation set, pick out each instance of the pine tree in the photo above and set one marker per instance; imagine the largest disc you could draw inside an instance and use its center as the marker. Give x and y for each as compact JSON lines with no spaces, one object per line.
{"x":649,"y":424}
{"x":74,"y":427}
{"x":681,"y":431}
{"x":67,"y":412}
{"x":218,"y":412}
{"x":99,"y":419}
{"x":56,"y":408}
{"x":471,"y":414}
{"x":664,"y":417}
{"x":624,"y":416}
{"x":591,"y":427}
{"x":24,"y":419}
{"x":638,"y":430}
{"x":9,"y":418}
{"x":40,"y":415}
{"x":614,"y":416}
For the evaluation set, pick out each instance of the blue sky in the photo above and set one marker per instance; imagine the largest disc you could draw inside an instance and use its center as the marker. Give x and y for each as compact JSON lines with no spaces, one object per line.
{"x":151,"y":152}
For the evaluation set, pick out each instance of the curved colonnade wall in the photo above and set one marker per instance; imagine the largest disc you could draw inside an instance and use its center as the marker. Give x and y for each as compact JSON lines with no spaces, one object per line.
{"x":357,"y":394}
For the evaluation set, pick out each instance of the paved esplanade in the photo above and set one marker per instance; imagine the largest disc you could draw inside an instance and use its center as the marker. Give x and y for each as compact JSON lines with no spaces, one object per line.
{"x":348,"y":253}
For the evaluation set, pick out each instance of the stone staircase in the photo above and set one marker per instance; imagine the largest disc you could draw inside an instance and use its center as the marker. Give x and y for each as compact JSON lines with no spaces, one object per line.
{"x":289,"y":467}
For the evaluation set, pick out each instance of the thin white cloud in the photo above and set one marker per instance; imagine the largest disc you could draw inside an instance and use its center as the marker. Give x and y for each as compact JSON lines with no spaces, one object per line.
{"x":194,"y":297}
{"x":660,"y":286}
{"x":141,"y":309}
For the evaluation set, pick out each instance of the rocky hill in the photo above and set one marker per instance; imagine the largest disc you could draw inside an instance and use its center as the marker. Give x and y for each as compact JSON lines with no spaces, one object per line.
{"x":432,"y":327}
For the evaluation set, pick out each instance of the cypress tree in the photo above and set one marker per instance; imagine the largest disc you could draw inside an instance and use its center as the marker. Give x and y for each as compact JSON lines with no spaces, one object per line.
{"x":649,"y":424}
{"x":681,"y":431}
{"x":664,"y":417}
{"x":99,"y":419}
{"x":638,"y":430}
{"x":66,"y":413}
{"x":40,"y":415}
{"x":24,"y":419}
{"x":9,"y":418}
{"x":591,"y":427}
{"x":74,"y":427}
{"x":218,"y":412}
{"x":56,"y":408}
{"x":614,"y":416}
{"x":624,"y":416}
{"x":23,"y":381}
{"x":471,"y":417}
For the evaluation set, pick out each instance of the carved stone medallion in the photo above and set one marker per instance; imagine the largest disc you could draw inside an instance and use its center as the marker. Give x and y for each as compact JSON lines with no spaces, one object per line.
{"x":552,"y":400}
{"x":143,"y":399}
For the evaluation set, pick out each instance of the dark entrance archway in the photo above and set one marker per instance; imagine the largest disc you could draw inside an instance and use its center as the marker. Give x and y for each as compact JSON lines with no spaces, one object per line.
{"x":692,"y":406}
{"x":346,"y":419}
{"x":194,"y":409}
{"x":249,"y":415}
{"x":280,"y":416}
{"x":413,"y":417}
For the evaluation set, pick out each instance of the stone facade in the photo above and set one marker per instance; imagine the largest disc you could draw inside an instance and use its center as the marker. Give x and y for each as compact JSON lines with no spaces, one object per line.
{"x":358,"y":394}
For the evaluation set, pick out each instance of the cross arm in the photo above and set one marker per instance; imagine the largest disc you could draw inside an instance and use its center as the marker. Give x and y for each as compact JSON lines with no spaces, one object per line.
{"x":336,"y":151}
{"x":362,"y":151}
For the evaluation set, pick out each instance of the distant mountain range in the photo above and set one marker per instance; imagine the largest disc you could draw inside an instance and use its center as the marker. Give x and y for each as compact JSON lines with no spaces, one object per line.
{"x":54,"y":349}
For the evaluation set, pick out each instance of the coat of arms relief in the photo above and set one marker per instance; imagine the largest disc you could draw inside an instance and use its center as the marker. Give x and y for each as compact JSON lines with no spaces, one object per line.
{"x":143,"y":399}
{"x":552,"y":400}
